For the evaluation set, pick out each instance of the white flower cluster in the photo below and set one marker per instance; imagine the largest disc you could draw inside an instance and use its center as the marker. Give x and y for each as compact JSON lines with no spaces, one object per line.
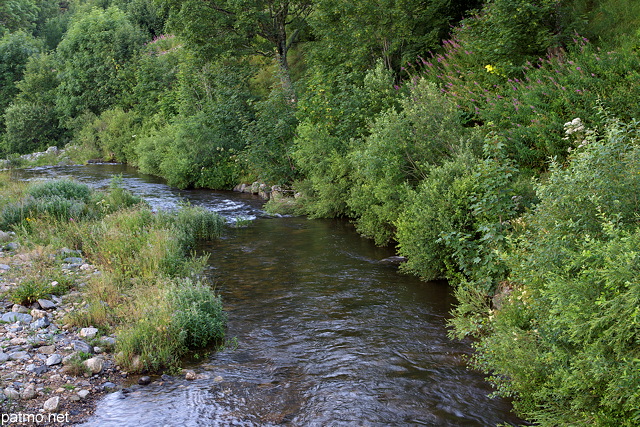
{"x":576,"y":128}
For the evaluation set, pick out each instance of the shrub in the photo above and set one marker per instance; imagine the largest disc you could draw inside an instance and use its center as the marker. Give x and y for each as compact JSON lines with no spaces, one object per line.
{"x":195,"y":223}
{"x":197,"y":314}
{"x":30,"y":291}
{"x":563,"y":340}
{"x":182,"y":315}
{"x":440,"y":204}
{"x":398,"y":153}
{"x":64,"y":189}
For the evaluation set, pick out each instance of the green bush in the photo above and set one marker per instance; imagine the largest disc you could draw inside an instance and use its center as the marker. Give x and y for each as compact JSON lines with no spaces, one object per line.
{"x":563,"y":339}
{"x":65,"y":189}
{"x":197,"y":314}
{"x":335,"y":111}
{"x":197,"y":224}
{"x":441,"y":204}
{"x":183,"y":316}
{"x":30,"y":291}
{"x":398,"y":153}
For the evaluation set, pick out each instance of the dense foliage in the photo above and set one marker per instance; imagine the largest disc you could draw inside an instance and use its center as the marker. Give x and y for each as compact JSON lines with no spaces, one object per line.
{"x":493,"y":142}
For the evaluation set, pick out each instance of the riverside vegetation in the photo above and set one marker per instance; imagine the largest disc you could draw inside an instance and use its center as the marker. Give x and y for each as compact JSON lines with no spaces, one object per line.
{"x":501,"y":155}
{"x":148,"y":289}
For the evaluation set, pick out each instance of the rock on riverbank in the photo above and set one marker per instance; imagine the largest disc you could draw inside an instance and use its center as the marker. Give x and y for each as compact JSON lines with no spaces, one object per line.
{"x":47,"y":365}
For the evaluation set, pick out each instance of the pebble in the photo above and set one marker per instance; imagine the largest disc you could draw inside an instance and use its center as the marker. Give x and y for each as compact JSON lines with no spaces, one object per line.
{"x":190,"y":375}
{"x":47,"y":349}
{"x":88,"y":333}
{"x":144,"y":380}
{"x":46,"y":304}
{"x":109,"y":386}
{"x":54,"y":359}
{"x":29,"y":392}
{"x":52,"y":404}
{"x":83,"y":394}
{"x":94,"y":364}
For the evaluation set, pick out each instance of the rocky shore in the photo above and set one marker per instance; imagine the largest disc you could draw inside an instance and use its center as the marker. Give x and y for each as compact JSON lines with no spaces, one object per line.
{"x":47,"y":365}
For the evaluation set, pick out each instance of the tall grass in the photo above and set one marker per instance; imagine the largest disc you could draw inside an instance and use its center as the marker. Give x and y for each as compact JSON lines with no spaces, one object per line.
{"x":147,"y":291}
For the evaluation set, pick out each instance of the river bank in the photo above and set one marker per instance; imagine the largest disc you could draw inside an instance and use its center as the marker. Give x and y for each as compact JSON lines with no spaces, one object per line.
{"x":41,"y":370}
{"x":75,"y":323}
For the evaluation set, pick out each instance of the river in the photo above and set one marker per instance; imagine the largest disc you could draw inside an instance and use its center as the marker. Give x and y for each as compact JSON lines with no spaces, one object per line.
{"x":326,"y":334}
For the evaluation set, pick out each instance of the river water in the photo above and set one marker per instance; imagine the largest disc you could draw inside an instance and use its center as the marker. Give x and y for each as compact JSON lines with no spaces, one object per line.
{"x":326,"y":334}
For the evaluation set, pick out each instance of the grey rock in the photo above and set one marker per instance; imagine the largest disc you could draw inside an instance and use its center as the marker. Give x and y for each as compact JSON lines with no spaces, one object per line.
{"x":16,"y":317}
{"x":13,"y":246}
{"x":17,"y":308}
{"x":39,"y":370}
{"x":73,"y":260}
{"x":19,"y":355}
{"x":29,"y":392}
{"x":82,"y":346}
{"x":108,"y":340}
{"x":88,"y":333}
{"x":11,"y":393}
{"x":144,"y":380}
{"x":52,"y":404}
{"x":45,"y":304}
{"x":68,"y":357}
{"x":94,"y":364}
{"x":109,"y":386}
{"x":40,"y":323}
{"x":3,"y":357}
{"x":5,"y":237}
{"x":5,"y":267}
{"x":54,"y":359}
{"x":83,"y":394}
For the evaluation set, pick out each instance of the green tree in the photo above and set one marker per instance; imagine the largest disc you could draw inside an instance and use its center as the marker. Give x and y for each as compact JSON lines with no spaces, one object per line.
{"x":401,"y":149}
{"x":18,"y":15}
{"x":243,"y":27}
{"x":32,"y":120}
{"x":563,"y":336}
{"x":15,"y":50}
{"x":357,"y":34}
{"x":93,"y":58}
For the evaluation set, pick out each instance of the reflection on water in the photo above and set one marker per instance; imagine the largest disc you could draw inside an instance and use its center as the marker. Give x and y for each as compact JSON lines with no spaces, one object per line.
{"x":327,"y":335}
